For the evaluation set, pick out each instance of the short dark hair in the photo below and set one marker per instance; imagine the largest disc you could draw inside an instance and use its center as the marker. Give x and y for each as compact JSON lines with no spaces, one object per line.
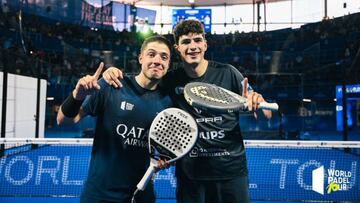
{"x":188,"y":26}
{"x":156,"y":38}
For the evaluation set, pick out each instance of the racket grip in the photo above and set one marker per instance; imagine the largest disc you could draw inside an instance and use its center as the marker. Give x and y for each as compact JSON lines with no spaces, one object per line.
{"x":147,"y":177}
{"x":269,"y":106}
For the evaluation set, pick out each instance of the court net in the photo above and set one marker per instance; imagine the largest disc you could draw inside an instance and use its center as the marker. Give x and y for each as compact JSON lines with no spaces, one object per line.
{"x":278,"y":170}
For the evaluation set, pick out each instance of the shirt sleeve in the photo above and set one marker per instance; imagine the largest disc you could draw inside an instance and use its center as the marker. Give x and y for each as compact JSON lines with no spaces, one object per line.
{"x":94,"y":104}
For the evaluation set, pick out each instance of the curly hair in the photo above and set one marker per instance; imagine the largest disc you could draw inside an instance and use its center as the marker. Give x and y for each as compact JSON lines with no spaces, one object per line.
{"x":188,"y":26}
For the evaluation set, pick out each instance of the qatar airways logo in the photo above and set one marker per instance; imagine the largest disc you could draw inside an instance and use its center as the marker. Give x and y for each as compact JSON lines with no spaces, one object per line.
{"x":134,"y":136}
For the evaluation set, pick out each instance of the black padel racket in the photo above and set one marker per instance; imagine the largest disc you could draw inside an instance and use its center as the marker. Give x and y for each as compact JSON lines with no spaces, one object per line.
{"x":172,"y":135}
{"x":212,"y":97}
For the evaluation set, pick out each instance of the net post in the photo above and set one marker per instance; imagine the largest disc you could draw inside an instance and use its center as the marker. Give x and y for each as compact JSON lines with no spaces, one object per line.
{"x":2,"y":150}
{"x":347,"y":150}
{"x":34,"y":146}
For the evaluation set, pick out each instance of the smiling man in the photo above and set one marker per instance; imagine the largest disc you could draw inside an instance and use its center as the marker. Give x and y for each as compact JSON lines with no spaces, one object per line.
{"x":215,"y":171}
{"x":120,"y":154}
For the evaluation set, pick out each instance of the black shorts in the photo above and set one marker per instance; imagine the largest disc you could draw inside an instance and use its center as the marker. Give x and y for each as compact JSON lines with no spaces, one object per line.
{"x":235,"y":190}
{"x":146,"y":196}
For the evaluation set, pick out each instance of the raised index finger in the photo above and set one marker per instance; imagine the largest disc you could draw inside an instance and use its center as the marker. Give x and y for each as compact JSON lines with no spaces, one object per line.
{"x":99,"y":71}
{"x":245,"y":87}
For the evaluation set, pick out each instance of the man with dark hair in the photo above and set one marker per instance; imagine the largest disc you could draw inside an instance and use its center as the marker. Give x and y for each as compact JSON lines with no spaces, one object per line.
{"x":119,"y":155}
{"x":215,"y":171}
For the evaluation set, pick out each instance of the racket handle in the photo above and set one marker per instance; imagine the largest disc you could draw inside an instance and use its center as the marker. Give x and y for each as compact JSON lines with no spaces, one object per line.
{"x":269,"y":106}
{"x":147,"y":176}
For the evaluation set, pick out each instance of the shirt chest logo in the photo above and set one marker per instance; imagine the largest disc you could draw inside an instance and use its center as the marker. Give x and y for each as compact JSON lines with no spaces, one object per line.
{"x":126,"y":106}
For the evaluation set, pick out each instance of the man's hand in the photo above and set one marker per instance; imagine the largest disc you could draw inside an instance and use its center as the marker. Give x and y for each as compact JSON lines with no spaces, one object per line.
{"x":87,"y":84}
{"x":162,"y":164}
{"x":253,"y":100}
{"x":112,"y":76}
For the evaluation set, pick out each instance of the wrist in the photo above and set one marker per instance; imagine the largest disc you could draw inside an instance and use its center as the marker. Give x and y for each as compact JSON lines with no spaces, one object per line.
{"x":75,"y":95}
{"x":71,"y":106}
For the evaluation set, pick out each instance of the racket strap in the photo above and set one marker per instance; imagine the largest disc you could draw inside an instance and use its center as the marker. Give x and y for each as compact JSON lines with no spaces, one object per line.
{"x":179,"y":90}
{"x":133,"y":197}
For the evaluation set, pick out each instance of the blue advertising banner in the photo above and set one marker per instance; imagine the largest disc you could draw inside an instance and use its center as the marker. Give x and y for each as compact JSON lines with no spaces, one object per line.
{"x":45,"y":171}
{"x":305,"y":174}
{"x":203,"y":15}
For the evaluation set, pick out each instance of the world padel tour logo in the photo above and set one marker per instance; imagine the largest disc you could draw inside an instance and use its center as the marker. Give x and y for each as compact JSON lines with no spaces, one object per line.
{"x":336,"y":180}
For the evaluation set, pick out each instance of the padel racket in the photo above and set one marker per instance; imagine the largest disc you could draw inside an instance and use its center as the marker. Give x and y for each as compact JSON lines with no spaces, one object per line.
{"x":172,"y":135}
{"x":212,"y":97}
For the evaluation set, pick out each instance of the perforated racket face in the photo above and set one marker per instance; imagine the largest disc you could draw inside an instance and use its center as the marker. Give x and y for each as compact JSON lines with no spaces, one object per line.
{"x":210,"y":96}
{"x":173,"y":133}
